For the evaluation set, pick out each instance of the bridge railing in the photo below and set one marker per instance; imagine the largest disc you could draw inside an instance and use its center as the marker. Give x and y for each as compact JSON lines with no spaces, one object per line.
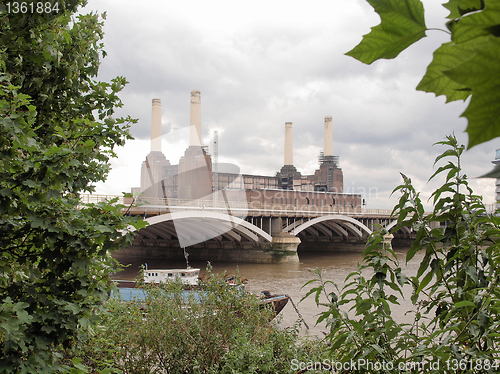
{"x":143,"y":203}
{"x":162,"y":206}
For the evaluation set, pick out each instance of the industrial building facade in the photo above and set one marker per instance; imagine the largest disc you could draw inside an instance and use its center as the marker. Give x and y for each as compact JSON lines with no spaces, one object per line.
{"x":196,"y":177}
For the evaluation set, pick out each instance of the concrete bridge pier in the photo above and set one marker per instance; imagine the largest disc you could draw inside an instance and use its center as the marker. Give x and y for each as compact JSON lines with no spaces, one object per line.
{"x":284,"y":245}
{"x":387,"y":242}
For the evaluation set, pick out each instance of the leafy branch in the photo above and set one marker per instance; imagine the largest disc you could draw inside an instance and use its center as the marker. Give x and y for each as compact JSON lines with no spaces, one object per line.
{"x":467,"y":65}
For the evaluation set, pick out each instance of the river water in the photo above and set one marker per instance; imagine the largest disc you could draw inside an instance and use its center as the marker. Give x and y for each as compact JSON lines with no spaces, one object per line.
{"x":288,"y":279}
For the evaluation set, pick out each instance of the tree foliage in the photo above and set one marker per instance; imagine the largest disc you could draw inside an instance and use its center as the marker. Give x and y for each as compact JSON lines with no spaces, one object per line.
{"x":455,"y":303}
{"x":221,"y":329}
{"x":57,"y":135}
{"x":467,"y":65}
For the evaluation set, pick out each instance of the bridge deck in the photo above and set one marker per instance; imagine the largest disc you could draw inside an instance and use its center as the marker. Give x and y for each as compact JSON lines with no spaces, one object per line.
{"x":152,"y":207}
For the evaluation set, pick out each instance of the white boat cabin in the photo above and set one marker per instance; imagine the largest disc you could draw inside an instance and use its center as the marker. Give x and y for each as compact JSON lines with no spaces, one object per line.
{"x":187,"y":276}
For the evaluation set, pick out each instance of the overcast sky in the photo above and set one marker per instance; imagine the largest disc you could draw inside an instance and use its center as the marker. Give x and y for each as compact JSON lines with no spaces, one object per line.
{"x":260,"y":64}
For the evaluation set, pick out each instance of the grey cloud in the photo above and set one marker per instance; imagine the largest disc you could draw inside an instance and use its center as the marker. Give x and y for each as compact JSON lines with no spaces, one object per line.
{"x":261,"y":75}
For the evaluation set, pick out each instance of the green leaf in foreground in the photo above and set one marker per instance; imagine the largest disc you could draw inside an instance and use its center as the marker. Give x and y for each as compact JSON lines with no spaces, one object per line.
{"x":446,"y":57}
{"x":402,"y":24}
{"x":468,"y":65}
{"x":458,"y":8}
{"x":462,"y":304}
{"x":482,"y":74}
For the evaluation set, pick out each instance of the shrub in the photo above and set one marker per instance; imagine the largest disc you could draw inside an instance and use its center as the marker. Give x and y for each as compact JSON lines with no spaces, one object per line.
{"x":221,"y":329}
{"x":456,"y":298}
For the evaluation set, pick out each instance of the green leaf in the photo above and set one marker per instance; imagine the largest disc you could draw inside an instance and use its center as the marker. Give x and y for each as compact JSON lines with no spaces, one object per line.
{"x":477,"y":24}
{"x":380,"y":277}
{"x":464,"y":303}
{"x":402,"y":24}
{"x":458,"y":8}
{"x":363,"y":306}
{"x":445,"y":58}
{"x":482,"y":74}
{"x":447,"y":153}
{"x":424,"y":282}
{"x":32,"y":144}
{"x":317,"y":291}
{"x":29,"y":183}
{"x":471,"y":271}
{"x":441,"y":169}
{"x":22,"y":315}
{"x":483,"y":318}
{"x":415,"y":246}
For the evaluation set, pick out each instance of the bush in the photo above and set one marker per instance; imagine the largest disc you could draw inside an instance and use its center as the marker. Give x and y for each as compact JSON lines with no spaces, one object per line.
{"x":221,"y":329}
{"x":456,"y":298}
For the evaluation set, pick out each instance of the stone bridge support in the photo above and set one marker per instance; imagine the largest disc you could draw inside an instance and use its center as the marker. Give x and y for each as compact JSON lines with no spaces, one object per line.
{"x":283,"y":242}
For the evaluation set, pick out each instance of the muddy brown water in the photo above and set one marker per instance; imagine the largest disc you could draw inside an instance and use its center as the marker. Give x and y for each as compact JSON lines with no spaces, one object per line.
{"x":287,"y":279}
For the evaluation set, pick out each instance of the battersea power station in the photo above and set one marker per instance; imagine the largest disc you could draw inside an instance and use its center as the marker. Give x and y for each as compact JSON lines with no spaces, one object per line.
{"x":196,"y":176}
{"x":217,"y":213}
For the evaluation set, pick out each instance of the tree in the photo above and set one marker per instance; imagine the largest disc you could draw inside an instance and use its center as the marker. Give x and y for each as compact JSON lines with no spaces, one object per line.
{"x":57,"y":135}
{"x":467,"y":65}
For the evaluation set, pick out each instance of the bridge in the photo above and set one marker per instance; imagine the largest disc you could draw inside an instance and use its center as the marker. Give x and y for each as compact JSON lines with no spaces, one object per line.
{"x":223,"y":230}
{"x":220,"y":214}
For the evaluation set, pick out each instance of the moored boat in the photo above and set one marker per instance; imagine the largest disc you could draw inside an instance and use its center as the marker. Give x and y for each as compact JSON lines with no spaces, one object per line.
{"x":187,"y":276}
{"x":130,"y":290}
{"x":278,"y":302}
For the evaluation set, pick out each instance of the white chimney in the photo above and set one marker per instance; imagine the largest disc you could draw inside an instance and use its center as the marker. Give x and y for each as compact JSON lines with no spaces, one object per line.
{"x":156,"y":125}
{"x":195,"y":119}
{"x":328,"y":150}
{"x":288,"y":143}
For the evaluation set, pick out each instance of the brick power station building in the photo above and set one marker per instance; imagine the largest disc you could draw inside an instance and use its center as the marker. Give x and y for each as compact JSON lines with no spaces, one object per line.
{"x":198,"y":176}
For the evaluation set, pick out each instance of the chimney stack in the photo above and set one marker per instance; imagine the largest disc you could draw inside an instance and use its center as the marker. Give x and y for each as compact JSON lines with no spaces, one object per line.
{"x":195,"y":119}
{"x":288,"y":143}
{"x":328,"y":149}
{"x":156,"y":125}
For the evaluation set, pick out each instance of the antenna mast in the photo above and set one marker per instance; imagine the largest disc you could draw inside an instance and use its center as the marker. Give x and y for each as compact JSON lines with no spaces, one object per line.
{"x":215,"y":166}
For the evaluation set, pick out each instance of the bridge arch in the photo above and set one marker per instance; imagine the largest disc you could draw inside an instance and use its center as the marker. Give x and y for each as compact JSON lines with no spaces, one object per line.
{"x":405,"y":229}
{"x":391,"y":225}
{"x":196,"y":226}
{"x":338,"y":223}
